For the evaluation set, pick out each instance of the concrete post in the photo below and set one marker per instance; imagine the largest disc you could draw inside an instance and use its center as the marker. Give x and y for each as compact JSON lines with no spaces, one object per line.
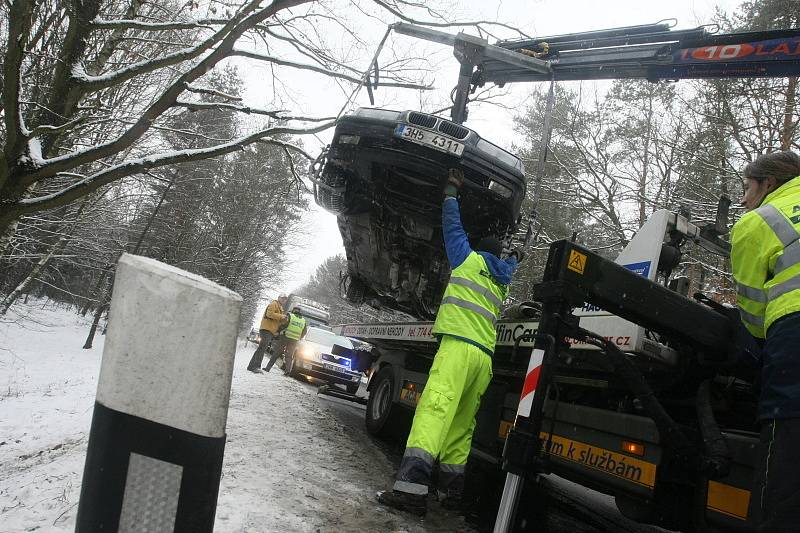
{"x":158,"y":431}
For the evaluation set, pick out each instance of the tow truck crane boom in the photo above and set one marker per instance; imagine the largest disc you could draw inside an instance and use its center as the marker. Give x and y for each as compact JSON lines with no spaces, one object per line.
{"x":650,"y":52}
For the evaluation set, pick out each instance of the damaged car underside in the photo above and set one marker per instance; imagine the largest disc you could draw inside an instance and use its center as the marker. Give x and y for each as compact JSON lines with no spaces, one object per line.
{"x":383,"y":177}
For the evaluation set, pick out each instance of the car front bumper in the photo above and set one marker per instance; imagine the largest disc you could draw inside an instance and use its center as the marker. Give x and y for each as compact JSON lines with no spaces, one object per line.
{"x":328,"y":373}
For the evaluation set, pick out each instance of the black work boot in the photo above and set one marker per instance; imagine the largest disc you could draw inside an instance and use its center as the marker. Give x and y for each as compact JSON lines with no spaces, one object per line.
{"x":413,"y":503}
{"x":452,"y":501}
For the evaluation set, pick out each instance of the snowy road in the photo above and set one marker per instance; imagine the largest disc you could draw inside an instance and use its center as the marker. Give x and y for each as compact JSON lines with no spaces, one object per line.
{"x":295,"y":461}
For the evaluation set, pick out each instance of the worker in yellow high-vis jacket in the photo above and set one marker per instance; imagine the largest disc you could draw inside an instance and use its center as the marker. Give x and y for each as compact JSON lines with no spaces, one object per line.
{"x":295,"y":329}
{"x":465,"y":325}
{"x":765,"y":259}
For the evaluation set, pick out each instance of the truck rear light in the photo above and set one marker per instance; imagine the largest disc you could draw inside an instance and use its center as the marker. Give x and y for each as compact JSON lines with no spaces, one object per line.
{"x":633,"y":447}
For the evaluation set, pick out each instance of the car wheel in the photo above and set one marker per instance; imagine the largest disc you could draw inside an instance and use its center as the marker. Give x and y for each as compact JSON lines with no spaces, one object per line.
{"x":328,"y":199}
{"x":289,"y":365}
{"x":356,"y":291}
{"x":384,"y":418}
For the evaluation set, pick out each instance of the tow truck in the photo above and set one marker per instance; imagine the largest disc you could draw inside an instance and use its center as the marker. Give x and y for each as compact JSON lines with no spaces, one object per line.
{"x":612,"y":377}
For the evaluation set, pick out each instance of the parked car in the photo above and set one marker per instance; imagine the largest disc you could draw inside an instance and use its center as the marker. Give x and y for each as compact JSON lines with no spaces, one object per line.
{"x":315,"y":356}
{"x":383,"y":177}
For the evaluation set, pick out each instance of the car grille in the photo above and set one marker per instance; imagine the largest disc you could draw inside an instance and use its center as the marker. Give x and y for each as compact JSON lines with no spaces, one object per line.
{"x":335,"y":359}
{"x":453,"y":130}
{"x":420,"y":119}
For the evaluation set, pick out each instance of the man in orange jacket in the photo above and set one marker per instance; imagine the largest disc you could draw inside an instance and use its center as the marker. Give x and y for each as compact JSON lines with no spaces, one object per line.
{"x":271,"y":323}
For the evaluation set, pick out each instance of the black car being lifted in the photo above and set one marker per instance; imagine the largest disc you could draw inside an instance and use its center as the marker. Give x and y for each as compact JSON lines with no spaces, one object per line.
{"x":383,"y":177}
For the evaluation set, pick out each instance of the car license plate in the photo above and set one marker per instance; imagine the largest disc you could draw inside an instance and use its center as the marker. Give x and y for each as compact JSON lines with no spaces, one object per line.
{"x":332,"y":368}
{"x":429,"y":138}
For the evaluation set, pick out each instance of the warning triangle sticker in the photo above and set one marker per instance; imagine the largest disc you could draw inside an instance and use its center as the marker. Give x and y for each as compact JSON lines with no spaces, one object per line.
{"x":577,"y":261}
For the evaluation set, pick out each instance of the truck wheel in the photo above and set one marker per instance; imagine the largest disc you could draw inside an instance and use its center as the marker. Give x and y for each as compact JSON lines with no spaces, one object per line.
{"x":384,"y":418}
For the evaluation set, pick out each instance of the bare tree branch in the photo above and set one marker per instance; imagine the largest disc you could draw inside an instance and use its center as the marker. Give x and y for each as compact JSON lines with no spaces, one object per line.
{"x":476,"y":23}
{"x":326,"y":72}
{"x":55,"y":165}
{"x":19,"y":25}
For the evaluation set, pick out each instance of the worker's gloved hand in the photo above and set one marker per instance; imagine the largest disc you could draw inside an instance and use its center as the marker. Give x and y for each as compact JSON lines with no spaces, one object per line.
{"x":455,"y":178}
{"x":518,"y":253}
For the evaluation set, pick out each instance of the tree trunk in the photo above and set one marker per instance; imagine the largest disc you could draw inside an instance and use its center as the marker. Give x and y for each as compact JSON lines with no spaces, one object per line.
{"x":8,"y":228}
{"x":99,"y":313}
{"x":97,"y":290}
{"x":788,"y":114}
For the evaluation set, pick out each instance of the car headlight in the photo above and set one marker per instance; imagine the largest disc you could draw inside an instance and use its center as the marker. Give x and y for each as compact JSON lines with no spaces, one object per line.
{"x":500,"y":189}
{"x":498,"y":153}
{"x":306,"y":352}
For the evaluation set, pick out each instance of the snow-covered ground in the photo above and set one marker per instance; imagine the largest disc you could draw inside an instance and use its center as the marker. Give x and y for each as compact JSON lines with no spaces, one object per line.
{"x":290,"y":463}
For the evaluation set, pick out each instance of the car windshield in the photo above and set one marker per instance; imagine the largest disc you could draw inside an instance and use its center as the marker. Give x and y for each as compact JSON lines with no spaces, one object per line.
{"x":327,"y":338}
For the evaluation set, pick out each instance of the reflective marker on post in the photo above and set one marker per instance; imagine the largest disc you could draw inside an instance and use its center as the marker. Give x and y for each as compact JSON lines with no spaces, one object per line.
{"x":531,"y":380}
{"x":155,"y":451}
{"x":513,"y":484}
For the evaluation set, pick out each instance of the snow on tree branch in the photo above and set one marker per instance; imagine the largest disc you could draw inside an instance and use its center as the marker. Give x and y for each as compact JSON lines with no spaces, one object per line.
{"x":139,"y":165}
{"x":122,"y":24}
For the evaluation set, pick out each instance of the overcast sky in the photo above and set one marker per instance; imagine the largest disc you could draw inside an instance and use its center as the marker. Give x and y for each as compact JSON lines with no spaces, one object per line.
{"x":315,"y":95}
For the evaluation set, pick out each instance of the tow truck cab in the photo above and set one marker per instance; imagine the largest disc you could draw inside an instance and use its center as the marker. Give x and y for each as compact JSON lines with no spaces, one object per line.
{"x":596,"y":432}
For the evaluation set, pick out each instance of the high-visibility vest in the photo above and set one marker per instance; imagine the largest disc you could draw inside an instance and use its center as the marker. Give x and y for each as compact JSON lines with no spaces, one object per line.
{"x":294,"y":330}
{"x":471,"y":303}
{"x":765,"y":259}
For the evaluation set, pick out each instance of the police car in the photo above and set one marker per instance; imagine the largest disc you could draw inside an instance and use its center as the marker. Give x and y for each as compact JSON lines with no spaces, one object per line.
{"x":323,"y":355}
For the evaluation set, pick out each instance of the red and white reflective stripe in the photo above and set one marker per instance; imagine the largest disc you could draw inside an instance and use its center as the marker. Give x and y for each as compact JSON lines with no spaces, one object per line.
{"x":531,"y":380}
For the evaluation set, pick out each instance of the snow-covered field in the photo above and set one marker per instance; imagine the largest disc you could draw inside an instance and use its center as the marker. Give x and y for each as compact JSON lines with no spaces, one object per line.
{"x":290,"y":463}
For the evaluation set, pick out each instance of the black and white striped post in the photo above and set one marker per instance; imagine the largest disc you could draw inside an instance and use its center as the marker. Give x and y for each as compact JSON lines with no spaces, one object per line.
{"x":158,"y":432}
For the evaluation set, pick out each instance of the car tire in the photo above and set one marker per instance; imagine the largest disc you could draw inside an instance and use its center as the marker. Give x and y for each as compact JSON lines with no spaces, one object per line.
{"x":384,"y":418}
{"x":329,"y":200}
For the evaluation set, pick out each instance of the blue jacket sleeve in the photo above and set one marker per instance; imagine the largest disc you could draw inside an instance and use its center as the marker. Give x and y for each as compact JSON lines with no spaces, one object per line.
{"x":456,"y":243}
{"x":512,"y":263}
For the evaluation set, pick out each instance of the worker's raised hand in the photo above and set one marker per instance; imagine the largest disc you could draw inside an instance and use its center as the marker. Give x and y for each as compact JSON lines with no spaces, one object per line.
{"x":455,"y":178}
